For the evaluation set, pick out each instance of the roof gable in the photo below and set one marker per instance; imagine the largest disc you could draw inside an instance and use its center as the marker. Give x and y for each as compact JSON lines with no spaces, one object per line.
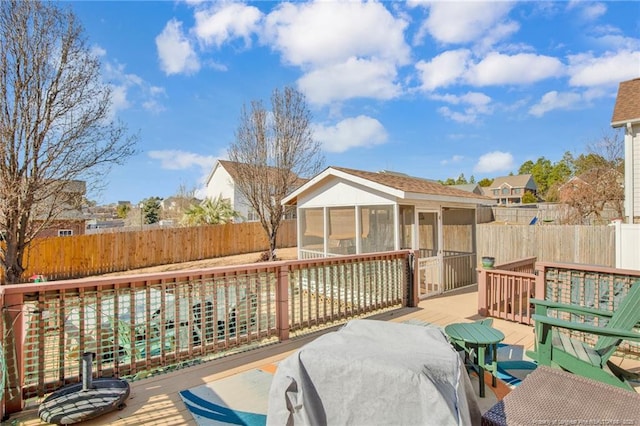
{"x":515,"y":181}
{"x":627,"y":106}
{"x":396,"y":184}
{"x":232,"y":167}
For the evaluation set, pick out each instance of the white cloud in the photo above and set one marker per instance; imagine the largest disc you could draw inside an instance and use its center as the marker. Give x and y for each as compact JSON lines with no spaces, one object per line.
{"x":443,"y":70}
{"x":453,"y":160}
{"x":468,"y":21}
{"x":476,"y":99}
{"x":361,"y":131}
{"x":180,"y":160}
{"x":352,"y":79}
{"x":226,"y":21}
{"x":175,"y":52}
{"x":119,"y":100}
{"x":476,"y":103}
{"x":523,"y":68}
{"x":618,"y":42}
{"x":612,"y":68}
{"x":495,"y":161}
{"x":98,"y":51}
{"x":556,"y":100}
{"x":320,"y":33}
{"x":129,"y":90}
{"x":588,"y":11}
{"x":468,"y":116}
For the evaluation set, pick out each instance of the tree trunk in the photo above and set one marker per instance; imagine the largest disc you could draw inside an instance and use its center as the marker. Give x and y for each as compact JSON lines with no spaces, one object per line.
{"x":12,"y":264}
{"x":272,"y":246}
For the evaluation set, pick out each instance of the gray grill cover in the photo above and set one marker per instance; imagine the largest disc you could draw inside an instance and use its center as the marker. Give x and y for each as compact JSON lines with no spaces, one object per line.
{"x":374,"y":373}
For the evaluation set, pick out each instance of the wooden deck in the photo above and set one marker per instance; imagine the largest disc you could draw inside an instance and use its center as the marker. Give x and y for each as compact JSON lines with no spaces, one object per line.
{"x":156,"y":400}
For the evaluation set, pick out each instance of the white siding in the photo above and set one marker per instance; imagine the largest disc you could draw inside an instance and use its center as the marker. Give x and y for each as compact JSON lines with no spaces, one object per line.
{"x":220,"y":184}
{"x":627,"y":242}
{"x":338,"y":192}
{"x":636,"y":170}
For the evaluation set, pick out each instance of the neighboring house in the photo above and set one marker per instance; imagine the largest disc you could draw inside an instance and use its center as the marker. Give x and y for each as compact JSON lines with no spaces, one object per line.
{"x":221,"y":182}
{"x":175,"y":204}
{"x":626,"y":114}
{"x":510,"y":189}
{"x":470,"y":187}
{"x":344,"y":211}
{"x":70,"y":220}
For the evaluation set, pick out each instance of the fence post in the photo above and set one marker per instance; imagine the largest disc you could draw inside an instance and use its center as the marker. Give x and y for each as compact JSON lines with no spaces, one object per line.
{"x":414,"y":296}
{"x":482,"y":293}
{"x":282,"y":302}
{"x":540,"y":286}
{"x":13,"y":347}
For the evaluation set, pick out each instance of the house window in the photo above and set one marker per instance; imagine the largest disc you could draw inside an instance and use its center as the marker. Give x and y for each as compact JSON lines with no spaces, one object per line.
{"x":312,"y":230}
{"x":65,"y":232}
{"x":516,"y":191}
{"x":252,"y":216}
{"x":505,"y":191}
{"x":377,"y":228}
{"x":342,"y":230}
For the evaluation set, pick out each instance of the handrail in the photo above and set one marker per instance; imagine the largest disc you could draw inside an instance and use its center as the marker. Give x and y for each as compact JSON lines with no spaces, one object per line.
{"x":138,"y":323}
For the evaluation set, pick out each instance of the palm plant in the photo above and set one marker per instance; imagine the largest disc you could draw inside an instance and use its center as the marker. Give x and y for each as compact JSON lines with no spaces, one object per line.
{"x":212,"y":211}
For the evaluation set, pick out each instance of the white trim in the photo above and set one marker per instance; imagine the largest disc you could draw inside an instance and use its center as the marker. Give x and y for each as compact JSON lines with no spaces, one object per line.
{"x":346,"y":176}
{"x":629,"y":204}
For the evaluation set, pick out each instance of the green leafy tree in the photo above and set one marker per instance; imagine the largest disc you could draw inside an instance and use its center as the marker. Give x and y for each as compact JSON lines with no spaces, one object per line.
{"x":449,"y":181}
{"x":461,"y":180}
{"x":216,"y":211}
{"x":486,"y":182}
{"x":123,"y":210}
{"x":540,"y":171}
{"x":151,"y":210}
{"x":529,"y":198}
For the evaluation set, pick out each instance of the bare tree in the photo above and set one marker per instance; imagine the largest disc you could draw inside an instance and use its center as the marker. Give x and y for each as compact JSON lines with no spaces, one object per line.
{"x":598,"y":183}
{"x":273,"y":150}
{"x":54,"y":122}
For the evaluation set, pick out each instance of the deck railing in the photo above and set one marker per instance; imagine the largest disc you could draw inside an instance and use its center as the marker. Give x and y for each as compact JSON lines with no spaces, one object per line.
{"x":593,"y":286}
{"x":505,"y":291}
{"x":459,"y":269}
{"x":140,"y":323}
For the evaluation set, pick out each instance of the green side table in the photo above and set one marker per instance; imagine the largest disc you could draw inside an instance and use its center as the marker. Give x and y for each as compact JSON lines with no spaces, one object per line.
{"x":477,"y":337}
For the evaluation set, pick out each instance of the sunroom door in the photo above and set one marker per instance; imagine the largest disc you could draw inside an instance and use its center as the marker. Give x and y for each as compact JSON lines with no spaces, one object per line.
{"x":430,"y":261}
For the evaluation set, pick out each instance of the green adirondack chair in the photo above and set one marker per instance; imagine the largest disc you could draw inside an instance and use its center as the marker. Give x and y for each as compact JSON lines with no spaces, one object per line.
{"x":556,"y":349}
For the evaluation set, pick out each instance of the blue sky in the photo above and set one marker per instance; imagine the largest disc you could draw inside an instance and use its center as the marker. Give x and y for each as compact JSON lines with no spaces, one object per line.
{"x":432,"y":89}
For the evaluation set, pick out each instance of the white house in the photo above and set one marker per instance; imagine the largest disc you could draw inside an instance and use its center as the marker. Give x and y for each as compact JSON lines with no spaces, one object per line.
{"x":344,"y":211}
{"x":221,"y":182}
{"x":626,"y":113}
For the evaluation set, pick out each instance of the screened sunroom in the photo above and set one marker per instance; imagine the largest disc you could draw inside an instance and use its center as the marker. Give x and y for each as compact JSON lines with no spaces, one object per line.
{"x":351,"y":212}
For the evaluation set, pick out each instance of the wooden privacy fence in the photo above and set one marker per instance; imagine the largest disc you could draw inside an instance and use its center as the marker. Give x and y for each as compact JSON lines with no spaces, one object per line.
{"x":78,"y":256}
{"x":593,"y":245}
{"x":83,"y":255}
